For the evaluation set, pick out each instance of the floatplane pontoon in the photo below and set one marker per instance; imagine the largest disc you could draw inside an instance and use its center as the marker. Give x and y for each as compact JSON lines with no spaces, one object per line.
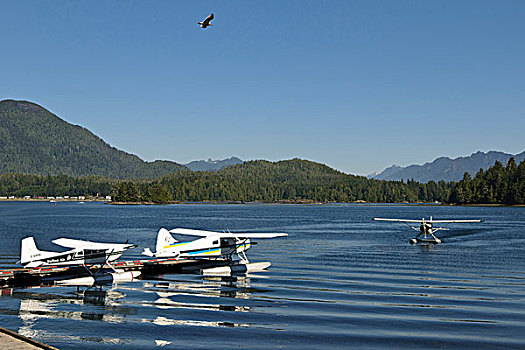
{"x":426,"y":228}
{"x":229,"y":246}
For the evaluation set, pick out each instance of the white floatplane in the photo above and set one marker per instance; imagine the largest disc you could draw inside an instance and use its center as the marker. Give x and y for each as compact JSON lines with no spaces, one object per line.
{"x":211,"y":245}
{"x":83,"y":253}
{"x":426,"y":228}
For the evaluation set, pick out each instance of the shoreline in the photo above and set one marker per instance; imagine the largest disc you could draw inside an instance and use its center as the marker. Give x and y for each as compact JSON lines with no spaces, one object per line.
{"x":51,"y":200}
{"x":284,"y":202}
{"x":324,"y":203}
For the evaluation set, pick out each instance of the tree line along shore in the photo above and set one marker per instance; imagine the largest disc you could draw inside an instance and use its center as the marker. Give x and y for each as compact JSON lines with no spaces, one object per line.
{"x":291,"y":181}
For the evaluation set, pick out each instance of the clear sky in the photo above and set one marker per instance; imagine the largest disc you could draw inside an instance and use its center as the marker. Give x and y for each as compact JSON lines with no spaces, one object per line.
{"x":357,"y":85}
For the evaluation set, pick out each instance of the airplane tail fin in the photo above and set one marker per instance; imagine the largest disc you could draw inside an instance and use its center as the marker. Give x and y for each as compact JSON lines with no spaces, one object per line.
{"x":29,"y":251}
{"x":164,"y":238}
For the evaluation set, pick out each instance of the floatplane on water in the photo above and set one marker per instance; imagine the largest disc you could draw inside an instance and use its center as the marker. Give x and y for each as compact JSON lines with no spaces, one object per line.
{"x":83,"y":254}
{"x":94,"y":263}
{"x":211,"y":245}
{"x":427,"y":229}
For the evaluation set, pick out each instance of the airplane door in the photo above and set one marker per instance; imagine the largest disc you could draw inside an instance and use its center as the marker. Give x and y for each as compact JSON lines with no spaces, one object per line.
{"x":94,"y":256}
{"x":227,"y":246}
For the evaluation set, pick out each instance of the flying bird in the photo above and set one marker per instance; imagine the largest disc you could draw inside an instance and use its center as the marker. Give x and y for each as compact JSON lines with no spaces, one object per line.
{"x":206,"y":22}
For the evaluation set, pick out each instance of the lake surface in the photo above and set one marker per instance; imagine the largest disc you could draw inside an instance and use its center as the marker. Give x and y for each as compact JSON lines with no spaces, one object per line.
{"x":338,"y":281}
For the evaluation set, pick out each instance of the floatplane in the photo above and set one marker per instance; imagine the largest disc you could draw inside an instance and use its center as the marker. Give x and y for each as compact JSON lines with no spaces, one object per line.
{"x":211,"y":245}
{"x":426,"y":228}
{"x":83,"y":254}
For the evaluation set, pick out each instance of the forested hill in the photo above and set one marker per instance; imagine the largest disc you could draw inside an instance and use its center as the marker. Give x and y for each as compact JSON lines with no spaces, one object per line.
{"x":35,"y":141}
{"x":292,"y":180}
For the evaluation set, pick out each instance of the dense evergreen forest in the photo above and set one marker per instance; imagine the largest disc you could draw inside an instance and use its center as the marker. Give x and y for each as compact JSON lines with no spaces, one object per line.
{"x":497,"y":185}
{"x":289,"y":181}
{"x":293,"y":181}
{"x":20,"y":185}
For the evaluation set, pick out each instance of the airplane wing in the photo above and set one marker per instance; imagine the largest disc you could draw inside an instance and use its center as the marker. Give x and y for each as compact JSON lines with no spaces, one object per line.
{"x":429,"y":221}
{"x":452,"y":221}
{"x":76,"y":243}
{"x":186,"y":231}
{"x":399,"y":220}
{"x":190,"y":232}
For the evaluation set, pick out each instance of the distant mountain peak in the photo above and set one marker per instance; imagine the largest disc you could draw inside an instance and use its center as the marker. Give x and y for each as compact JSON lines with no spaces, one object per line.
{"x":390,"y":170}
{"x":447,"y":169}
{"x":212,"y":165}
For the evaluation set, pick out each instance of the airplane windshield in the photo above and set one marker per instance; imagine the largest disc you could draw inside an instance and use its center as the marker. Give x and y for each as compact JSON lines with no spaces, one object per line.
{"x":185,"y":238}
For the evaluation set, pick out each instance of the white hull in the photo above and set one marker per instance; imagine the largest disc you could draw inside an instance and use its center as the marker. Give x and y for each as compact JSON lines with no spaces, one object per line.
{"x":237,"y":268}
{"x":104,"y":278}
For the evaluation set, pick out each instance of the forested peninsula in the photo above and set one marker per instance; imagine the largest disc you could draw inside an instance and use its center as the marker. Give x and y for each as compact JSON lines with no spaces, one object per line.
{"x":290,"y":181}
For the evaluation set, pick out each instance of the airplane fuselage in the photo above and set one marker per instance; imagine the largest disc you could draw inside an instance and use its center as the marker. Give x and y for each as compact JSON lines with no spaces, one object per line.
{"x":72,"y":257}
{"x":206,"y":247}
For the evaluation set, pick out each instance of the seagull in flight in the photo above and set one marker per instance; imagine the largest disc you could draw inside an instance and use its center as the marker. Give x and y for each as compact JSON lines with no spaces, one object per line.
{"x":206,"y":22}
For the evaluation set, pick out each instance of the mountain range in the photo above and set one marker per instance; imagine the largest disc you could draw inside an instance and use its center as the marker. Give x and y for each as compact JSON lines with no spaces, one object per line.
{"x":35,"y":141}
{"x":447,"y":169}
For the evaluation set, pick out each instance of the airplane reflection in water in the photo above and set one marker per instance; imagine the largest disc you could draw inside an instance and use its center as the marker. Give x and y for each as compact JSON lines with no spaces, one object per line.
{"x":225,"y":288}
{"x":164,"y":321}
{"x":219,"y":295}
{"x":167,"y":291}
{"x":35,"y":306}
{"x":217,"y":286}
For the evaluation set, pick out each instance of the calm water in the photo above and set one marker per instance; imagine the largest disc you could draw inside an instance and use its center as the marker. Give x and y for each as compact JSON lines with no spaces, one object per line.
{"x":338,"y":281}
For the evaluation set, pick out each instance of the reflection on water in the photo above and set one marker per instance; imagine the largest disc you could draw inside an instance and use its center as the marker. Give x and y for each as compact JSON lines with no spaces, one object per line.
{"x":113,"y":305}
{"x":35,"y":306}
{"x":169,"y":293}
{"x":162,"y":342}
{"x":163,"y":321}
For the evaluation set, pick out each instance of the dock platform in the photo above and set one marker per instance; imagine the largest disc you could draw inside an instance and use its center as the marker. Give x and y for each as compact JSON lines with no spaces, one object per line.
{"x":14,"y":341}
{"x":48,"y":275}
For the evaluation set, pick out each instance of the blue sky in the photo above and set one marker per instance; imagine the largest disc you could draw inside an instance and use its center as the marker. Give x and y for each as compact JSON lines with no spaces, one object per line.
{"x":357,"y":85}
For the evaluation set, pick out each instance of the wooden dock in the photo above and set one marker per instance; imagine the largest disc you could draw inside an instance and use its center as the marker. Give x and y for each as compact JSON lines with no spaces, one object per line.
{"x":47,"y":276}
{"x":14,"y":341}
